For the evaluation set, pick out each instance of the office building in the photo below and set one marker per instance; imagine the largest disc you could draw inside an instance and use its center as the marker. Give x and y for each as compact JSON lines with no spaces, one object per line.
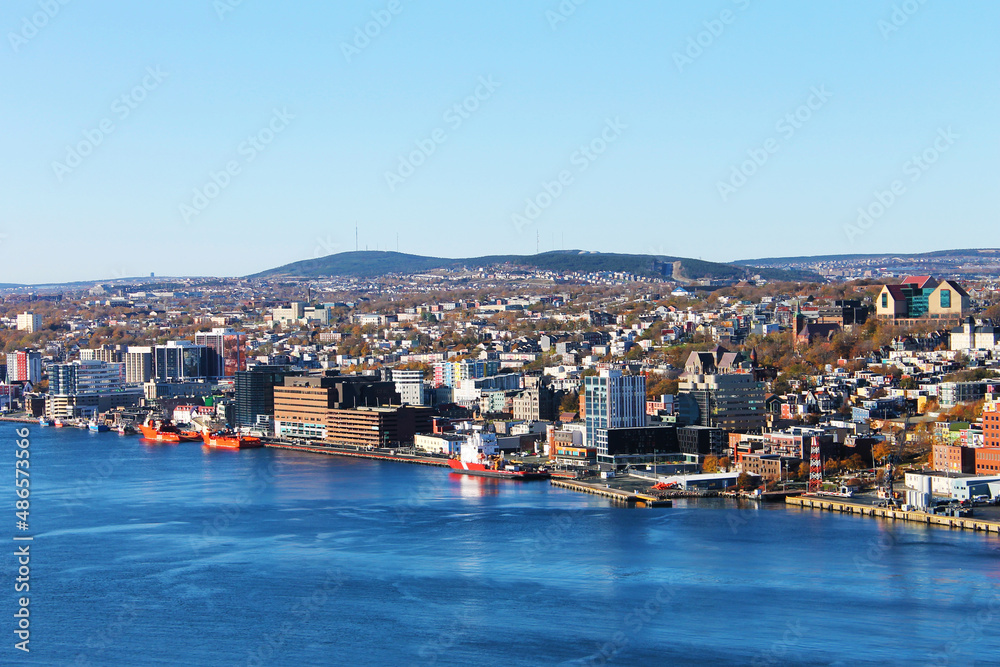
{"x":255,"y":392}
{"x":227,"y":351}
{"x":732,"y":401}
{"x":923,"y":297}
{"x":109,"y":353}
{"x":410,"y":387}
{"x":613,"y":400}
{"x":138,"y":365}
{"x":86,"y":377}
{"x":180,"y":361}
{"x":303,"y":405}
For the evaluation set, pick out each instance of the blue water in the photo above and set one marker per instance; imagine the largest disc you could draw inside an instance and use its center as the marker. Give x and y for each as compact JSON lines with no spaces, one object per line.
{"x":174,"y":554}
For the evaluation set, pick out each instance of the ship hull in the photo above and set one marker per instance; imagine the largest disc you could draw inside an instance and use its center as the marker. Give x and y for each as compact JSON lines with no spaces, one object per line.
{"x":231,"y":442}
{"x":480,"y":470}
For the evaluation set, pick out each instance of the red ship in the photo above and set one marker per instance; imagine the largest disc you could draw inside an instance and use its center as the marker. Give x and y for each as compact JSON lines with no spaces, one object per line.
{"x":164,"y":431}
{"x":230,"y":440}
{"x":480,"y":456}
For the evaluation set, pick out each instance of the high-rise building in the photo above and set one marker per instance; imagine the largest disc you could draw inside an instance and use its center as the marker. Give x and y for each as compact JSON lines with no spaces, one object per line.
{"x":730,"y":401}
{"x":108,"y":353}
{"x":451,"y":373}
{"x":24,"y":366}
{"x":613,"y":400}
{"x":303,"y":405}
{"x":180,"y":361}
{"x":410,"y":386}
{"x":29,"y":322}
{"x":228,"y":351}
{"x":255,"y":392}
{"x":138,"y":365}
{"x":86,"y":377}
{"x":538,"y":403}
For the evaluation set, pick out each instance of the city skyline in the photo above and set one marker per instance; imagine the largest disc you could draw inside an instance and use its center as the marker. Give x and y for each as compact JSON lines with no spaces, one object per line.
{"x":228,"y":138}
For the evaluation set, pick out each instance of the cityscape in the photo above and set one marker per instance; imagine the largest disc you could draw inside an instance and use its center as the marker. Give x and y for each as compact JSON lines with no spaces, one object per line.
{"x":571,"y":334}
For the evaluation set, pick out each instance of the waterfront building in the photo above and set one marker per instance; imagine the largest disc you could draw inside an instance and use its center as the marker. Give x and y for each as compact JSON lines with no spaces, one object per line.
{"x":86,"y":377}
{"x":255,"y":392}
{"x":303,"y":405}
{"x":613,"y":400}
{"x":701,"y":440}
{"x":87,"y":388}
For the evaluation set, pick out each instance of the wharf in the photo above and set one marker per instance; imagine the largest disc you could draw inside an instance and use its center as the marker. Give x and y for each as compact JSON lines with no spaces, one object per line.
{"x":812,"y":502}
{"x":19,"y":420}
{"x":615,"y":495}
{"x":333,"y":450}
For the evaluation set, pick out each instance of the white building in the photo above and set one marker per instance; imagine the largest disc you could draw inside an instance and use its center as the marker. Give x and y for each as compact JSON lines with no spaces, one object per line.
{"x":410,"y":385}
{"x":972,"y":336}
{"x":29,"y":322}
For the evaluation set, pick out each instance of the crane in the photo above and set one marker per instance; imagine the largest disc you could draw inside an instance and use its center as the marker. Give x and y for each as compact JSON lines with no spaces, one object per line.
{"x":891,"y":461}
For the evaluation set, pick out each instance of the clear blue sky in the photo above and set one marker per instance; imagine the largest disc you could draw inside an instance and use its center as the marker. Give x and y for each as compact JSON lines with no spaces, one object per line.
{"x":680,"y":127}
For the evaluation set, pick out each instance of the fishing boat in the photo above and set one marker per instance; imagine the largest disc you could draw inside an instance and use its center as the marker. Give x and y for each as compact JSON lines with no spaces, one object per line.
{"x":98,"y":427}
{"x":43,"y":421}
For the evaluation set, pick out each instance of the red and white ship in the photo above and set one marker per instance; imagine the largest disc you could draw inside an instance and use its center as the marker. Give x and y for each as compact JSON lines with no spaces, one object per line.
{"x":480,"y":456}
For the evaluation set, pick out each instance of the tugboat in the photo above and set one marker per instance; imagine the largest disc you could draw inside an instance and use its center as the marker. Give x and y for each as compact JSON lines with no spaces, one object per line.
{"x":230,"y":440}
{"x":165,"y":431}
{"x":480,"y":456}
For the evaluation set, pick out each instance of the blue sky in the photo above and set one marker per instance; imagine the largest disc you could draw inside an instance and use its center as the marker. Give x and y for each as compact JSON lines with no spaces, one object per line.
{"x":245,"y":135}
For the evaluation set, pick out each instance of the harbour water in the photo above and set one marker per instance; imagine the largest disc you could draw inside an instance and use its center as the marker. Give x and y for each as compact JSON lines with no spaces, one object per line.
{"x":174,"y":554}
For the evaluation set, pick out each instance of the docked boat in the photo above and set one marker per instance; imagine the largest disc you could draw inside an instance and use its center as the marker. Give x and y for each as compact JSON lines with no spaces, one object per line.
{"x":229,"y":440}
{"x":480,"y":456}
{"x":42,"y":421}
{"x":98,"y":427}
{"x":165,"y":431}
{"x":58,"y":423}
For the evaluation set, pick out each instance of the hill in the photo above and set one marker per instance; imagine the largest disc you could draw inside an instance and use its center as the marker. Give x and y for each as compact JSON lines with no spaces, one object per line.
{"x":369,"y":264}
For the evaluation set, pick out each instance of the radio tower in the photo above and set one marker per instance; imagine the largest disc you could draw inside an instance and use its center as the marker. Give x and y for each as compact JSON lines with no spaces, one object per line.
{"x":815,"y":467}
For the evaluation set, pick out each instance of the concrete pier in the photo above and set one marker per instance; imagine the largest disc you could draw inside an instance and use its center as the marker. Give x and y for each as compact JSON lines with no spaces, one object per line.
{"x":615,"y":495}
{"x":812,"y":502}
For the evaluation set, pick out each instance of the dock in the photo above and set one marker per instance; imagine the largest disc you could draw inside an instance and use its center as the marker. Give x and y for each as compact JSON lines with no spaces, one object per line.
{"x":812,"y":502}
{"x":615,"y":495}
{"x":333,"y":450}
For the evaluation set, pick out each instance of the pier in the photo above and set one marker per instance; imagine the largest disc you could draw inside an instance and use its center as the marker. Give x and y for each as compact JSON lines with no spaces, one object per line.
{"x":333,"y":450}
{"x":812,"y":502}
{"x":615,"y":495}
